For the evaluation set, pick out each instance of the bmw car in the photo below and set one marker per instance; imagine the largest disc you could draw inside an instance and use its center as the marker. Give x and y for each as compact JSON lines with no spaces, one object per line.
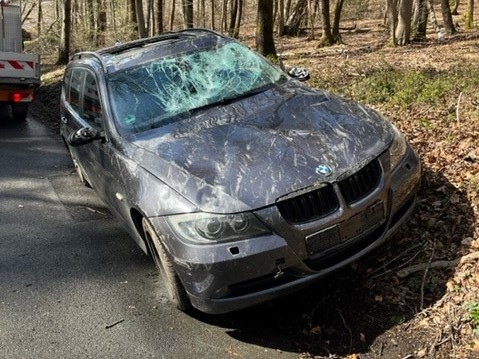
{"x":241,"y":182}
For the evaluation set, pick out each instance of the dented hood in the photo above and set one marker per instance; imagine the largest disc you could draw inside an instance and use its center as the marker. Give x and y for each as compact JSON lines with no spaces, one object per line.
{"x":246,"y":154}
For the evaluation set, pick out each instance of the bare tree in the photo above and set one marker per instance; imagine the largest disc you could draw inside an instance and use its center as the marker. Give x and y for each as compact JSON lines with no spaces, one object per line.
{"x":403,"y":28}
{"x":447,"y":17}
{"x":236,"y":11}
{"x":338,"y":8}
{"x":224,"y":16}
{"x":140,"y":18}
{"x":102,"y":22}
{"x":64,"y":47}
{"x":188,"y":13}
{"x":281,"y":15}
{"x":159,"y":16}
{"x":213,"y":14}
{"x":391,"y":18}
{"x":172,"y":14}
{"x":39,"y":19}
{"x":264,"y":29}
{"x":327,"y":36}
{"x":469,"y":15}
{"x":291,"y":27}
{"x":421,"y":13}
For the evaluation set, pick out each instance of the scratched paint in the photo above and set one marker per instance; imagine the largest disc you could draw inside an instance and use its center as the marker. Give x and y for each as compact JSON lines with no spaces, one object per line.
{"x":214,"y":145}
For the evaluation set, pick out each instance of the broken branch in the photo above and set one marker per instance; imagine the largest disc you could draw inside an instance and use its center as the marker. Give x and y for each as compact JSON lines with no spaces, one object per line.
{"x":438,"y":264}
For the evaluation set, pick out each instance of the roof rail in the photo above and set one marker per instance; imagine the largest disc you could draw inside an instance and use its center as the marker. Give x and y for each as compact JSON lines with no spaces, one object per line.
{"x":169,"y":35}
{"x":93,"y":54}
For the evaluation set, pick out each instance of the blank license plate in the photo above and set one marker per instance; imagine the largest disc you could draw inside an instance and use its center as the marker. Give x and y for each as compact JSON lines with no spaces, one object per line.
{"x":343,"y":232}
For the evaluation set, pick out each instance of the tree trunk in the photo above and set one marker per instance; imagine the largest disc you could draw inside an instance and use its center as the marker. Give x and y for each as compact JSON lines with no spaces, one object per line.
{"x":203,"y":14}
{"x":64,"y":53}
{"x":213,"y":14}
{"x":224,"y":16}
{"x":233,"y":14}
{"x":132,"y":17}
{"x":403,"y":29}
{"x":149,"y":17}
{"x":112,"y":10}
{"x":391,"y":17}
{"x":140,"y":18}
{"x":188,"y":13}
{"x":469,"y":15}
{"x":280,"y":17}
{"x":39,"y":19}
{"x":447,"y":17}
{"x":264,"y":30}
{"x":420,"y":21}
{"x":311,"y":18}
{"x":239,"y":15}
{"x":337,"y":18}
{"x":90,"y":8}
{"x":291,"y":28}
{"x":327,"y":37}
{"x":159,"y":16}
{"x":102,"y":22}
{"x":172,"y":14}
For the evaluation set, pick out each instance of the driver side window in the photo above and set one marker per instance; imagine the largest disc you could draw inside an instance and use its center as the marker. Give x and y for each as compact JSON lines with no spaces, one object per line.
{"x":83,"y":97}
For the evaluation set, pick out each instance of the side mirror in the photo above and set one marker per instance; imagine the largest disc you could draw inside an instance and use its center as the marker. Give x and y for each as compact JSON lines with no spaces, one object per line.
{"x":83,"y":136}
{"x":299,"y":73}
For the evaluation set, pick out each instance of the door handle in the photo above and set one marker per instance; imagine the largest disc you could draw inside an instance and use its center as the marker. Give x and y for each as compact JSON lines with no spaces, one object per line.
{"x":64,"y":119}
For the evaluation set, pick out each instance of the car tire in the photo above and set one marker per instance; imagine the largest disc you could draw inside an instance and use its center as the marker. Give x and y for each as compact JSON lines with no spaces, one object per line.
{"x":19,"y":111}
{"x":175,"y":290}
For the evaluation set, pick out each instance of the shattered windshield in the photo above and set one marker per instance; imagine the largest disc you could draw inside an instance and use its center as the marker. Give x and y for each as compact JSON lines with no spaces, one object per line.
{"x":158,"y":92}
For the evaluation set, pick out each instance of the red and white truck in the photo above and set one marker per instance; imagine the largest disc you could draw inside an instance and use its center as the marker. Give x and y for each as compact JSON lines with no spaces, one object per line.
{"x":19,"y":71}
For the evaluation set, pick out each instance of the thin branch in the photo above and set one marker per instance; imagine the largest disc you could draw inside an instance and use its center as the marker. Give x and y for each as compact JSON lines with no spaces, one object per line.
{"x":457,"y":108}
{"x":401,"y":265}
{"x":348,"y":329}
{"x":425,"y":274}
{"x":438,"y":264}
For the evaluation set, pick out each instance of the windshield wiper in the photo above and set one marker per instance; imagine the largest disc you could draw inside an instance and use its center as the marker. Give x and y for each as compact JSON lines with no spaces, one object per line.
{"x":232,"y":99}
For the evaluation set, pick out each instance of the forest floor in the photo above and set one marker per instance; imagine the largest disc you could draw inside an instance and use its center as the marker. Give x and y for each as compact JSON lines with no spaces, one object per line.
{"x":383,"y":306}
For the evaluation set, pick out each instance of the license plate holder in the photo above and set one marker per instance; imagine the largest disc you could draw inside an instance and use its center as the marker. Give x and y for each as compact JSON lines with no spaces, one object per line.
{"x":344,"y":232}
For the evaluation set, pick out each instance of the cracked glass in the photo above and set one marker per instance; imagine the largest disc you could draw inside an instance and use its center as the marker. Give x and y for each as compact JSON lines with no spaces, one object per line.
{"x":164,"y":90}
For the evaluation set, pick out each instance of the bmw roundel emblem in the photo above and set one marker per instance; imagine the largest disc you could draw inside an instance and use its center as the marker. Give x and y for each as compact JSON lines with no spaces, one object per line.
{"x":324,"y":170}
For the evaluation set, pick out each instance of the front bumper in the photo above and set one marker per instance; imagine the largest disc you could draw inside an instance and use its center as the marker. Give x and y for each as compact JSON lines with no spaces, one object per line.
{"x":230,"y":276}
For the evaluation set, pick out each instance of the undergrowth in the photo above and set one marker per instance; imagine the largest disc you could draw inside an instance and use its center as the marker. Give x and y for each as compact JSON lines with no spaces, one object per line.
{"x":403,"y":89}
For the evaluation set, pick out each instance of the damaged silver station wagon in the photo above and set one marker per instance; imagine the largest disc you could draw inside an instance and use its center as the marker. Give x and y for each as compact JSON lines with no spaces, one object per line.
{"x":241,"y":182}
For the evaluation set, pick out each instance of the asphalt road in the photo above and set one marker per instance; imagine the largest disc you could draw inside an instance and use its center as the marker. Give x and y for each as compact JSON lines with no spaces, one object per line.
{"x":74,"y":285}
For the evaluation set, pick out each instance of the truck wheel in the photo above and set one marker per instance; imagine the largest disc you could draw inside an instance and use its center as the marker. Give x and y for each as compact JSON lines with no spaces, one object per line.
{"x":19,"y":111}
{"x":174,"y":287}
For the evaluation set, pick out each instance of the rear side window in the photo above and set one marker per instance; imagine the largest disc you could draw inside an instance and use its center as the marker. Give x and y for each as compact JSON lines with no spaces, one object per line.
{"x":74,"y":92}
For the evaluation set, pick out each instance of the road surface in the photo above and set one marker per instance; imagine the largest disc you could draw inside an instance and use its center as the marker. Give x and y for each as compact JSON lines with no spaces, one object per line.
{"x":74,"y":285}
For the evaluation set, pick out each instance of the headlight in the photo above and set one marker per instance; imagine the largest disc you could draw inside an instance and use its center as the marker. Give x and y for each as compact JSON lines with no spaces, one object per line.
{"x":208,"y":228}
{"x":398,"y":147}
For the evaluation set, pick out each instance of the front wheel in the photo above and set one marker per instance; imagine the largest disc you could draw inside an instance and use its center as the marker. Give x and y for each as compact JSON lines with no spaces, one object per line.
{"x":174,"y":287}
